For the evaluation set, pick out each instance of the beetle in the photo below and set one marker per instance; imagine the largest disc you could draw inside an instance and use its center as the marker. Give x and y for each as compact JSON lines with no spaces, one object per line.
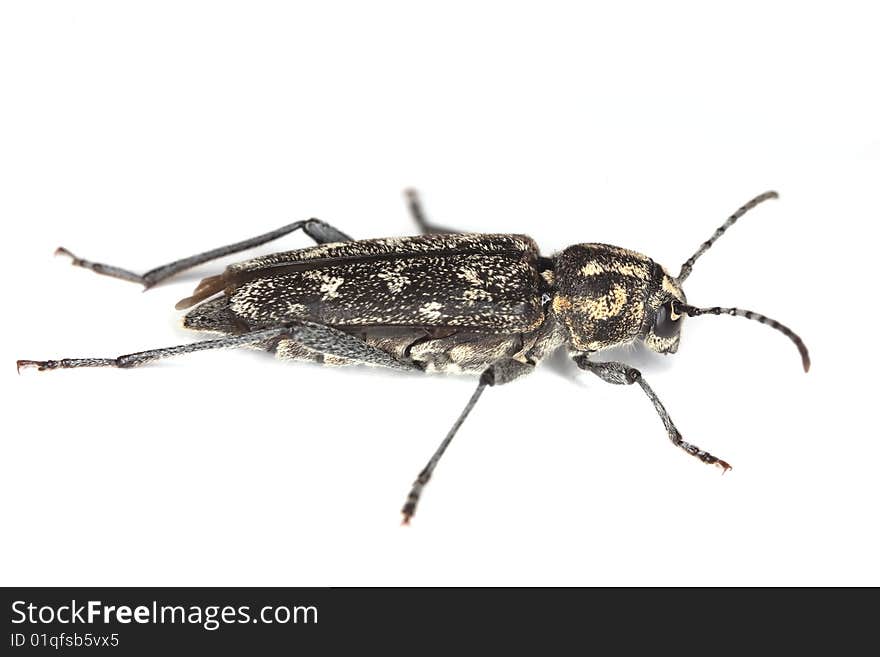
{"x":441,"y":301}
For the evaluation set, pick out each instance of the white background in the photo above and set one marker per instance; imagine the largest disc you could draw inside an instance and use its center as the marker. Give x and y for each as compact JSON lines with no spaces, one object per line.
{"x":137,"y":134}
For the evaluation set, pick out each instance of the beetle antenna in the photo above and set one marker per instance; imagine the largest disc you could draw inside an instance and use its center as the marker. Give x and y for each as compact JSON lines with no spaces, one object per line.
{"x":732,"y":219}
{"x":693,"y":311}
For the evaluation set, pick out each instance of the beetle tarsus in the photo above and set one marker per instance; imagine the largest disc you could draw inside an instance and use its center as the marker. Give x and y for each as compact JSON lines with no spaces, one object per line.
{"x":40,"y":365}
{"x":104,"y":270}
{"x":412,"y":500}
{"x":61,"y":251}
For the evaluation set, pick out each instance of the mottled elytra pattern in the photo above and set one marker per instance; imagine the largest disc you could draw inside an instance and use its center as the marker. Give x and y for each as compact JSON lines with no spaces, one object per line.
{"x":444,"y":302}
{"x":485,"y":282}
{"x":396,"y":247}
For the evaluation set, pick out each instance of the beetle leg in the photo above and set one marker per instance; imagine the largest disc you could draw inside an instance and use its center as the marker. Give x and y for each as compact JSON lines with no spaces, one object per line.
{"x":318,"y":337}
{"x":329,"y":340}
{"x":319,"y":231}
{"x":418,"y":215}
{"x":141,"y":357}
{"x":498,"y":374}
{"x":622,"y":374}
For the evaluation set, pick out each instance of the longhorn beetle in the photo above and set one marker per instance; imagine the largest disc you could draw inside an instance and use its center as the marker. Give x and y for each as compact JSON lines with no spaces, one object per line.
{"x":442,"y":301}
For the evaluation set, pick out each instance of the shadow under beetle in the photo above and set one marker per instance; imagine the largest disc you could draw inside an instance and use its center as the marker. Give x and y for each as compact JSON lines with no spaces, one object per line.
{"x":439,"y":302}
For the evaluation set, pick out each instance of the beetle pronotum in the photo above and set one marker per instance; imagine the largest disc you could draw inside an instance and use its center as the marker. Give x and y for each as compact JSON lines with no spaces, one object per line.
{"x":442,"y":301}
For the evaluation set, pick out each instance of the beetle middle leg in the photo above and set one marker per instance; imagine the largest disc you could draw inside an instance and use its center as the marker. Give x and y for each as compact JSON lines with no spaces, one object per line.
{"x":418,"y":214}
{"x":622,"y":374}
{"x":498,"y":374}
{"x":319,"y":231}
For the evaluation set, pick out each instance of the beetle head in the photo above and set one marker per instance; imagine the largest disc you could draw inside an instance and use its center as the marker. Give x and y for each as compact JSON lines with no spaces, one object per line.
{"x":661,"y":330}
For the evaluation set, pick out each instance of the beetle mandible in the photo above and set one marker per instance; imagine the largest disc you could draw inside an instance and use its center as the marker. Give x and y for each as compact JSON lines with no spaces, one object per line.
{"x":442,"y":301}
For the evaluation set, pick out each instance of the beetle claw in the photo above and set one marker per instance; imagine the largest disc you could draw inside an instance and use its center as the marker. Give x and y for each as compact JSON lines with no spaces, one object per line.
{"x":41,"y":365}
{"x":61,"y":251}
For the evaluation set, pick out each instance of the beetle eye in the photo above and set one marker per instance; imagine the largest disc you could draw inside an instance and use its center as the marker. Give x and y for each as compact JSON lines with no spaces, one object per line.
{"x":667,"y":322}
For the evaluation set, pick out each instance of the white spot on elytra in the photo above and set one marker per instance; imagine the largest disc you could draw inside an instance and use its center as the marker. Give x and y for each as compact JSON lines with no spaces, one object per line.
{"x":330,"y":285}
{"x":431,"y":311}
{"x":476,"y":294}
{"x":470,"y":276}
{"x":395,"y":280}
{"x":297,"y":309}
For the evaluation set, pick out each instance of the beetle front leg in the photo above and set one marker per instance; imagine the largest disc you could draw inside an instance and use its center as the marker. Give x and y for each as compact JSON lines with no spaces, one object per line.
{"x":622,"y":374}
{"x":319,"y":231}
{"x":498,"y":374}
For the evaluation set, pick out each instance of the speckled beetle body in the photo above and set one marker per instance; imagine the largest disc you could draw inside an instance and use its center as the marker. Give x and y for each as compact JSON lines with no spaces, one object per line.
{"x":437,"y":302}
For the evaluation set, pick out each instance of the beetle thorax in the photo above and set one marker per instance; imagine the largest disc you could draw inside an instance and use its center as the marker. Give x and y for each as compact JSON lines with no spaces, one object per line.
{"x":602,"y":294}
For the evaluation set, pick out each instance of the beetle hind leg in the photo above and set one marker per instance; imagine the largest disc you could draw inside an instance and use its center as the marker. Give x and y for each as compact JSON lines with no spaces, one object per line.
{"x":323,"y":341}
{"x":142,"y":357}
{"x":320,"y":232}
{"x":319,"y":338}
